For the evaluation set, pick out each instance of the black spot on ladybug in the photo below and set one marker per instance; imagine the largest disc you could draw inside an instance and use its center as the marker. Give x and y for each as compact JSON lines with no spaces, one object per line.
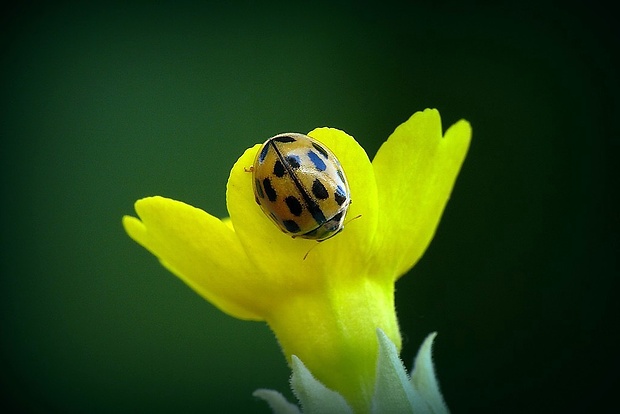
{"x":341,"y":175}
{"x":269,"y":190}
{"x":293,"y":205}
{"x":321,"y":150}
{"x":293,"y":161}
{"x":259,"y":189}
{"x":285,"y":139}
{"x":319,"y":190}
{"x":316,"y":212}
{"x":263,"y":153}
{"x":291,"y":226}
{"x":278,"y":169}
{"x":340,"y":196}
{"x":319,"y":164}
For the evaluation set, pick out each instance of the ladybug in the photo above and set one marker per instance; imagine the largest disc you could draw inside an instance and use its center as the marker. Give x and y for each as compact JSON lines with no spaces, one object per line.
{"x":300,"y":185}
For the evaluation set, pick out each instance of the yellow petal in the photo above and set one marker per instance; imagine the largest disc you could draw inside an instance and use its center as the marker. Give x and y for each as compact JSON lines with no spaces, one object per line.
{"x":279,"y":257}
{"x":201,"y":250}
{"x":415,"y":170}
{"x":276,"y":256}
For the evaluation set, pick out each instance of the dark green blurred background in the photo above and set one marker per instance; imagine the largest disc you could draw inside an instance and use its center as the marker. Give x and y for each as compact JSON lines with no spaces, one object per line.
{"x":102,"y":105}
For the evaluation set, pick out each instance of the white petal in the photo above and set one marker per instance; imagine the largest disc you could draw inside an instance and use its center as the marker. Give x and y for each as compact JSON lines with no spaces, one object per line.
{"x":276,"y":401}
{"x":423,"y":378}
{"x":314,"y":397}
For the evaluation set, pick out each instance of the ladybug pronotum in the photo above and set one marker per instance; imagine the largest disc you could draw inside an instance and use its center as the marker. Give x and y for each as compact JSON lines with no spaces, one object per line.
{"x":301,"y":186}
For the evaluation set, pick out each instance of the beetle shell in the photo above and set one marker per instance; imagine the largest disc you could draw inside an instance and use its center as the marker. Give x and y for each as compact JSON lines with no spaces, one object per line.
{"x":299,"y":183}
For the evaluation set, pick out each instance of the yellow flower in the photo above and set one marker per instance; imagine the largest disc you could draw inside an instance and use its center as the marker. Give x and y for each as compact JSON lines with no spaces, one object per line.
{"x":325,"y":309}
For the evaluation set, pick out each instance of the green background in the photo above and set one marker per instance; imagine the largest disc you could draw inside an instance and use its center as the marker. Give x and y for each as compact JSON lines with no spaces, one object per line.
{"x":104,"y":104}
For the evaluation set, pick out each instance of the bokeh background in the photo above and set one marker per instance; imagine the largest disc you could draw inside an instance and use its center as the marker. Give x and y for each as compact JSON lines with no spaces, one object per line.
{"x":105,"y":103}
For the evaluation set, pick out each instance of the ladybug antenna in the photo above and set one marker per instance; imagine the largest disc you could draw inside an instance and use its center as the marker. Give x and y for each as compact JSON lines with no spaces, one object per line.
{"x":350,"y":220}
